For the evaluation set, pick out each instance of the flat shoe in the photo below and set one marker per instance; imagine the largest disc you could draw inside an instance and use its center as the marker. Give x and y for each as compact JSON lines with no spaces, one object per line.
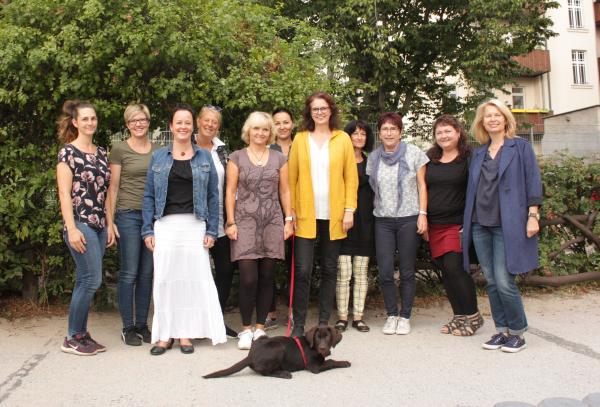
{"x":159,"y":350}
{"x":360,"y":326}
{"x":341,"y":325}
{"x":187,"y":349}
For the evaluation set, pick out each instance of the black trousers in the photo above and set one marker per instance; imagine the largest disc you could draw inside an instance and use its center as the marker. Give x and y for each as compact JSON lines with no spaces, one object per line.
{"x":303,"y":260}
{"x":220,"y":254}
{"x":459,"y":284}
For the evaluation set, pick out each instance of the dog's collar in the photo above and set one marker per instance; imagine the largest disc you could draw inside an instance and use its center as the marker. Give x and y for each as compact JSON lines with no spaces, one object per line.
{"x":301,"y":351}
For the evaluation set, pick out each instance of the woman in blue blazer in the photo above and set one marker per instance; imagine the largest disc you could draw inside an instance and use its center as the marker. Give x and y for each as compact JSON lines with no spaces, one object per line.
{"x":504,"y":192}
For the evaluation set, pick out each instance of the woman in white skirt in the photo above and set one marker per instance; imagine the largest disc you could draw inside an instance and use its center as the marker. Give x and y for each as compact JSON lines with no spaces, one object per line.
{"x":181,"y":214}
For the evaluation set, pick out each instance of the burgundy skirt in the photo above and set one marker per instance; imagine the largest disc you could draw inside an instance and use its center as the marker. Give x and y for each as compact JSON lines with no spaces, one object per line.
{"x":444,"y":239}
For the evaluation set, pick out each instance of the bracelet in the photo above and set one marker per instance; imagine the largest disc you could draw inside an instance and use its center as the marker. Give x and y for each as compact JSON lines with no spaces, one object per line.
{"x":348,"y":210}
{"x":422,"y":212}
{"x":230,"y":224}
{"x":289,"y":219}
{"x":535,"y":215}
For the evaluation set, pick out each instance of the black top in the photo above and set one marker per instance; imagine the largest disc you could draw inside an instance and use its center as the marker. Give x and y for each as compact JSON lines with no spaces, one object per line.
{"x":486,"y":211}
{"x":446,"y":191}
{"x":180,"y":191}
{"x":360,"y":237}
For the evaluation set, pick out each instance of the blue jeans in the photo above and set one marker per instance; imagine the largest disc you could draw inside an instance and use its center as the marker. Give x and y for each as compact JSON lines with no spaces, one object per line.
{"x":505,"y":299}
{"x":135,"y":276}
{"x":88,"y":277}
{"x":399,"y":234}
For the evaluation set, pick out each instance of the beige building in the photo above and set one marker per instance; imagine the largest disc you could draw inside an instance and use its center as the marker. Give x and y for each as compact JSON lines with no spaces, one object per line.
{"x":557,"y":105}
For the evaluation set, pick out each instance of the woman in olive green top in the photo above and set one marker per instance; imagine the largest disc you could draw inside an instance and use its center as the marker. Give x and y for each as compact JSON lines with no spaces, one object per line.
{"x":129,"y":162}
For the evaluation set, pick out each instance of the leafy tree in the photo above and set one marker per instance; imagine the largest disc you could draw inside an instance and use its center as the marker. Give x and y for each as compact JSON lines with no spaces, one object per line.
{"x":399,"y":55}
{"x":113,"y":52}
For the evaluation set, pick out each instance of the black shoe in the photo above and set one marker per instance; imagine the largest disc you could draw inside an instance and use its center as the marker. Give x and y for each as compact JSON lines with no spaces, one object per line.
{"x":144,"y":333}
{"x":130,"y":338}
{"x":230,"y":332}
{"x":187,"y":349}
{"x":297,"y":331}
{"x":159,"y":350}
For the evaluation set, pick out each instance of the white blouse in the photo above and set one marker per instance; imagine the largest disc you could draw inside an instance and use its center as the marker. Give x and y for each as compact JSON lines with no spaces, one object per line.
{"x":319,"y":174}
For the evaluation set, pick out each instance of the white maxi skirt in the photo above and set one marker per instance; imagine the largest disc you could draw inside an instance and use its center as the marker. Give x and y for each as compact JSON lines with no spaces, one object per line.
{"x":186,"y":303}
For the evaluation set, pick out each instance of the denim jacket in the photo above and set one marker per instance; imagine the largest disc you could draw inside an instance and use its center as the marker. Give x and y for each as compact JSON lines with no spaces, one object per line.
{"x":205,"y":189}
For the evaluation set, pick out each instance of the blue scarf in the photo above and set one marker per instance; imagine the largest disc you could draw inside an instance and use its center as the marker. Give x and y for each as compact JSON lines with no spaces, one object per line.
{"x":389,"y":158}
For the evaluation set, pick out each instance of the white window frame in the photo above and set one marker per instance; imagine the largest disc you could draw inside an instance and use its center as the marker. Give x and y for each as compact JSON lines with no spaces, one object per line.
{"x":580,"y":76}
{"x":575,"y":11}
{"x":518,"y":94}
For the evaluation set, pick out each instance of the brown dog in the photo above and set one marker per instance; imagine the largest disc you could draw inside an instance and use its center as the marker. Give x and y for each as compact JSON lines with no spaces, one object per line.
{"x":280,"y":355}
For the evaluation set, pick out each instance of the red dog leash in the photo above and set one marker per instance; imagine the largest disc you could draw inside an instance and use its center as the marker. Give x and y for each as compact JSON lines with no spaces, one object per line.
{"x":290,"y":311}
{"x":301,"y":351}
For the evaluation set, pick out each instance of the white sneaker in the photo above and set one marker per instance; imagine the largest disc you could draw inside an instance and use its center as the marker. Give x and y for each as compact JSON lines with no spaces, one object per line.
{"x":389,"y":328}
{"x":403,"y":327}
{"x":245,"y":339}
{"x":258,"y":333}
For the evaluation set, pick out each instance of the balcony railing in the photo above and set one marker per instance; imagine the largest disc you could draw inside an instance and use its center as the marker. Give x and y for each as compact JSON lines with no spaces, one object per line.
{"x":537,"y":60}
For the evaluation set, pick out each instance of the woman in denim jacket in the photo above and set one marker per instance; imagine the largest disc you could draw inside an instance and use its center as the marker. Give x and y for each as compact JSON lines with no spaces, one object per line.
{"x":181,"y":214}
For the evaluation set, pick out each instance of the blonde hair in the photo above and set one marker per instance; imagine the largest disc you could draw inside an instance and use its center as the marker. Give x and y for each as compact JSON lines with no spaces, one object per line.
{"x":135,"y":108}
{"x":257,"y":118}
{"x":479,"y":132}
{"x":67,"y":132}
{"x":206,"y":109}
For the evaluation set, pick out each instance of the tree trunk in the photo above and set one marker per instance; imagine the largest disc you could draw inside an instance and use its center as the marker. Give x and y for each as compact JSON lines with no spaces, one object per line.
{"x":30,"y":286}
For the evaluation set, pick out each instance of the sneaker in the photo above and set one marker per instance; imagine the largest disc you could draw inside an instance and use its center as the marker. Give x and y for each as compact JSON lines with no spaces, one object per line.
{"x":297,"y":331}
{"x":495,"y":342}
{"x":271,"y":323}
{"x":130,"y":338}
{"x":144,"y":333}
{"x":245,"y":339}
{"x":514,"y":344}
{"x":258,"y":333}
{"x":389,"y":328}
{"x":78,"y":345}
{"x":99,"y":348}
{"x":403,"y":327}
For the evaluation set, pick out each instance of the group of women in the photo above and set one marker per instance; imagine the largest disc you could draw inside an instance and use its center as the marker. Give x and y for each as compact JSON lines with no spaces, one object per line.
{"x":170,"y":209}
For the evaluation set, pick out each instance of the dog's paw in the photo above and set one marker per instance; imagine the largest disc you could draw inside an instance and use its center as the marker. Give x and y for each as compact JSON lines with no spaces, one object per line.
{"x":344,"y":363}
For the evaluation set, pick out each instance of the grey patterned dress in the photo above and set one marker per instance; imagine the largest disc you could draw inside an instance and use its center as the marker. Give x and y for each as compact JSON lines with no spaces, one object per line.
{"x":257,"y":209}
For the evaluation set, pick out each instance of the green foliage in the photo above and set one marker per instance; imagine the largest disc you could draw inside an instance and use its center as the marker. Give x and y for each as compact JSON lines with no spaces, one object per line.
{"x":572,"y":187}
{"x":229,"y":53}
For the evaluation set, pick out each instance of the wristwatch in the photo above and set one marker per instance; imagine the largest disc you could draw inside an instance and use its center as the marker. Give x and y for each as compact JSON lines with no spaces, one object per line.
{"x":535,"y":215}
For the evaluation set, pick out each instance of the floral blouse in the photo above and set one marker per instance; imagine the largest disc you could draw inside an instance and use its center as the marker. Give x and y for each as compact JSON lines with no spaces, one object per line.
{"x":91,"y":178}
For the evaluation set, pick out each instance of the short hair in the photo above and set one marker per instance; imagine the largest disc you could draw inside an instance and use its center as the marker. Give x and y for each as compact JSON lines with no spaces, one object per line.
{"x":435,"y":152}
{"x":282,"y":110}
{"x":256,"y":118}
{"x":389,"y":117}
{"x":182,"y":106}
{"x":479,"y":131}
{"x":359,"y":124}
{"x":135,"y":108}
{"x":307,"y":121}
{"x":67,"y":132}
{"x":211,"y":109}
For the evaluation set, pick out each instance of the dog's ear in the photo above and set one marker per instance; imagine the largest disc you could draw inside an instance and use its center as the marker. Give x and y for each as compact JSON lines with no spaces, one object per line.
{"x":336,"y":336}
{"x":310,"y":336}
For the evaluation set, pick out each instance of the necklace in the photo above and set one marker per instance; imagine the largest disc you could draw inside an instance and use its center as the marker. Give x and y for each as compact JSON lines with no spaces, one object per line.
{"x":258,"y":159}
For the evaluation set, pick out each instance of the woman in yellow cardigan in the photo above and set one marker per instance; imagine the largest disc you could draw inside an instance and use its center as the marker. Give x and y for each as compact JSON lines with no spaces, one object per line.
{"x":323,"y":185}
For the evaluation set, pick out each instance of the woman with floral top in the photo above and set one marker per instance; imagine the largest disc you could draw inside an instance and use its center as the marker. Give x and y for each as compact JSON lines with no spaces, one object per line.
{"x":83,"y":178}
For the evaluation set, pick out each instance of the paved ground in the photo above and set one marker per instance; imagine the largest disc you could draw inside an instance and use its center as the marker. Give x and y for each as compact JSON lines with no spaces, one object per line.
{"x":424,"y":368}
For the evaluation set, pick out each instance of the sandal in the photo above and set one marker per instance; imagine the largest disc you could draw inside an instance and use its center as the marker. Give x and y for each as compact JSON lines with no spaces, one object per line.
{"x":469,"y":325}
{"x":341,"y":325}
{"x":452,"y":324}
{"x":360,"y":326}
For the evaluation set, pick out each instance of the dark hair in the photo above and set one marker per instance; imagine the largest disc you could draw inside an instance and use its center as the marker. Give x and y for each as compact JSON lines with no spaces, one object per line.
{"x":359,"y":124}
{"x":435,"y":152}
{"x":282,"y":110}
{"x":67,"y":132}
{"x":389,"y":117}
{"x":308,"y":123}
{"x":186,"y":107}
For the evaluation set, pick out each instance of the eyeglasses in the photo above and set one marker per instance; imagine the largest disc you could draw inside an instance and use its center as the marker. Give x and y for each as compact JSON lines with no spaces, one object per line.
{"x":319,"y":109}
{"x":138,"y":121}
{"x":213,"y":107}
{"x":389,"y":130}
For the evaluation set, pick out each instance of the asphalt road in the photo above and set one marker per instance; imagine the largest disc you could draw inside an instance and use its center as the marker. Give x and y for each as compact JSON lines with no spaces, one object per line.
{"x":424,"y":368}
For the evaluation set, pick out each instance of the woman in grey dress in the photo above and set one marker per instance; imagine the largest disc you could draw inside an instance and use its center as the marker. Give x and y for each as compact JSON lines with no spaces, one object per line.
{"x":257,"y":181}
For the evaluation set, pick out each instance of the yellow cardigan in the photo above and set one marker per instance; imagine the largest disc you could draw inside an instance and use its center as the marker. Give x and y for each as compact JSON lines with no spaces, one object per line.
{"x":343,"y":184}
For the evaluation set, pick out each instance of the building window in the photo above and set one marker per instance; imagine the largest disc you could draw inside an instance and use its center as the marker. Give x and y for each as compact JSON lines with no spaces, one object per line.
{"x":575,"y":13}
{"x":518,"y":98}
{"x":579,"y":70}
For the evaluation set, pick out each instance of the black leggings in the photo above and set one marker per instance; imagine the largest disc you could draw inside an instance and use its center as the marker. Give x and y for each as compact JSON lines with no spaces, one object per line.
{"x":256,"y":288}
{"x":223,"y":269}
{"x":459,"y":285}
